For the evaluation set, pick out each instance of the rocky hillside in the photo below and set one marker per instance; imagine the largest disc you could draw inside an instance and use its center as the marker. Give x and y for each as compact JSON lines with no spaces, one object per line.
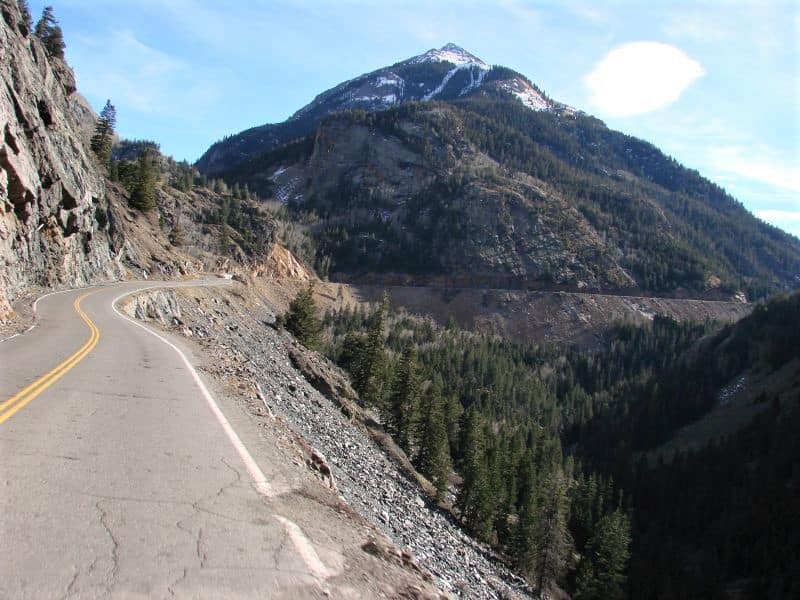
{"x":55,"y":222}
{"x":239,"y":346}
{"x":63,"y":222}
{"x":485,"y":192}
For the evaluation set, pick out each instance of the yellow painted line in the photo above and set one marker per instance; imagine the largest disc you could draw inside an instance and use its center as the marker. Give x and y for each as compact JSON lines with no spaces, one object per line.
{"x":10,"y":407}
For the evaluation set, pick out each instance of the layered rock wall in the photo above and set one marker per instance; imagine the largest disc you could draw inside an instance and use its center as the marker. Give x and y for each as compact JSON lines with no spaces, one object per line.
{"x":55,"y":223}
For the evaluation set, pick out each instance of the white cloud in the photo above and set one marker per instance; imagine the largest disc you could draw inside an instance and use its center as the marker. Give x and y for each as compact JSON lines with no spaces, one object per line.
{"x":640,"y":77}
{"x":756,"y":163}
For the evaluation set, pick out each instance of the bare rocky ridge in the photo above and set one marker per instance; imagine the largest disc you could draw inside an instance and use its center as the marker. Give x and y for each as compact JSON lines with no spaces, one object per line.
{"x":508,"y":225}
{"x":240,"y":347}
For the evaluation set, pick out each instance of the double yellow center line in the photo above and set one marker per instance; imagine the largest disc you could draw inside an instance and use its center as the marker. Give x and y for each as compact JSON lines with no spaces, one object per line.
{"x":10,"y":407}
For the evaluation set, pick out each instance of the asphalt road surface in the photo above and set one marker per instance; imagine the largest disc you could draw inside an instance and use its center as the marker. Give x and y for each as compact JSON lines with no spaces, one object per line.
{"x":120,"y":475}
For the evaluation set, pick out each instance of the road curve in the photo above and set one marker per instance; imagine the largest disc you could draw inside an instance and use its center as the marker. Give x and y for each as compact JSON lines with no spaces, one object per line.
{"x":119,"y":479}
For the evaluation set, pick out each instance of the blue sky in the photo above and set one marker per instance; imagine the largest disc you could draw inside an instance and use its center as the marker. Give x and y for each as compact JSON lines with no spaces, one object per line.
{"x":716,"y":84}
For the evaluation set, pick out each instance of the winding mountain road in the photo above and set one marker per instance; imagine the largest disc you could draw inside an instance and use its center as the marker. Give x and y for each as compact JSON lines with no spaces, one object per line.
{"x":120,"y":475}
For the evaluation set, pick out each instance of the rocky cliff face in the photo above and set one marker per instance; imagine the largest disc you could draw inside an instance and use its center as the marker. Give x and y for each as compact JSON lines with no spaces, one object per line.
{"x":55,"y":222}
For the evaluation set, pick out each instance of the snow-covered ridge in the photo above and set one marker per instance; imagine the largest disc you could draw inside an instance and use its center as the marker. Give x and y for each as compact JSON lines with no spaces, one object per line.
{"x":397,"y":84}
{"x":452,"y":54}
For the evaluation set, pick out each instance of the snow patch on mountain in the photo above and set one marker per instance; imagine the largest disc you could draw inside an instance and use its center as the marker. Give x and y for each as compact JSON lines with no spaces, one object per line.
{"x":389,"y":99}
{"x":438,"y":89}
{"x":278,"y":172}
{"x":475,"y":82}
{"x":452,"y":54}
{"x":526,"y":94}
{"x":391,"y":79}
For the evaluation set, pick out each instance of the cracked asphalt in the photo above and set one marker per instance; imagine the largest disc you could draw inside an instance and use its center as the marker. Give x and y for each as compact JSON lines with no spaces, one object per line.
{"x":117,"y":481}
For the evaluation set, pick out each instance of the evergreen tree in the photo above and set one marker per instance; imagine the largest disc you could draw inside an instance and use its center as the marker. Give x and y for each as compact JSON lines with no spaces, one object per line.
{"x":301,"y":319}
{"x":45,"y":22}
{"x":25,"y":11}
{"x":554,"y":540}
{"x":474,"y":498}
{"x":403,"y":399}
{"x":369,"y":376}
{"x":351,"y":354}
{"x":143,"y":195}
{"x":49,"y":31}
{"x":543,"y":541}
{"x":104,"y":133}
{"x":224,"y":238}
{"x":434,"y":454}
{"x":602,"y":572}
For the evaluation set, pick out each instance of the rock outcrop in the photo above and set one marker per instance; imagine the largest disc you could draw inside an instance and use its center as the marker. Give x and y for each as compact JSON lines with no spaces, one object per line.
{"x":55,"y":223}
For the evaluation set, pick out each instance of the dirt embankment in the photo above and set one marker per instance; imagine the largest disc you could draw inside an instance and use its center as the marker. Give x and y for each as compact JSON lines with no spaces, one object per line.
{"x":546,"y":317}
{"x":525,"y":316}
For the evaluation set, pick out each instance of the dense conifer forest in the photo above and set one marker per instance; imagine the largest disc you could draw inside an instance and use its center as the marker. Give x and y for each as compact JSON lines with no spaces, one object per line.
{"x":557,"y":458}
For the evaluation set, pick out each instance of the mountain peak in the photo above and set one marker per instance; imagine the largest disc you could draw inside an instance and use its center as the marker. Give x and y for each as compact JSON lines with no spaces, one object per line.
{"x":451,"y":53}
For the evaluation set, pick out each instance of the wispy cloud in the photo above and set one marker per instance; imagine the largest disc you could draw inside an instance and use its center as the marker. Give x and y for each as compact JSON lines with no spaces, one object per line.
{"x":757,"y":163}
{"x":134,"y":75}
{"x":641,"y":77}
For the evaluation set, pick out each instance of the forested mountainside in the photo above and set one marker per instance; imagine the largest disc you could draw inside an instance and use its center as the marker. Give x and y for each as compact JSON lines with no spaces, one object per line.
{"x":674,"y":438}
{"x":481,"y":189}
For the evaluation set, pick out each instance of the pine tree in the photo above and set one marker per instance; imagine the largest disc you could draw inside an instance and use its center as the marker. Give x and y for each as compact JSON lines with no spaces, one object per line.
{"x":49,"y":31}
{"x":369,"y":374}
{"x":104,"y":133}
{"x":554,"y":540}
{"x":474,"y":499}
{"x":543,"y":542}
{"x":143,"y":195}
{"x":434,"y":454}
{"x":25,"y":11}
{"x":403,"y":399}
{"x":45,"y":22}
{"x":351,"y":354}
{"x":602,"y":572}
{"x":301,"y":319}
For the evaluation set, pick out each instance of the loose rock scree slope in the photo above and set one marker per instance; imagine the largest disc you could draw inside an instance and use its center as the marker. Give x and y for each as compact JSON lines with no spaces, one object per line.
{"x":240,"y":348}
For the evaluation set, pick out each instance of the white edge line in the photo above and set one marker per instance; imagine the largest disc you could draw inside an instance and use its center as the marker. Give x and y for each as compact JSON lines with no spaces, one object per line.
{"x":260,"y":481}
{"x":301,"y":543}
{"x":304,"y":548}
